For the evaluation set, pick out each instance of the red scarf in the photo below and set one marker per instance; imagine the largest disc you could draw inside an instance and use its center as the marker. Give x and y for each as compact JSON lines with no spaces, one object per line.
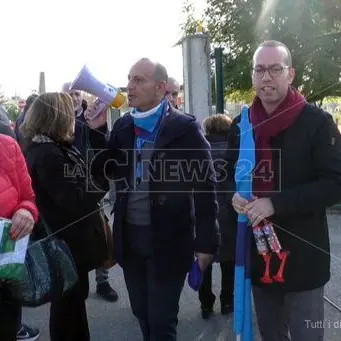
{"x":267,"y":127}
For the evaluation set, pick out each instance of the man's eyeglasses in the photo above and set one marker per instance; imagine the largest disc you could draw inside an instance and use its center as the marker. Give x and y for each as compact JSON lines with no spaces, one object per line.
{"x":274,"y":70}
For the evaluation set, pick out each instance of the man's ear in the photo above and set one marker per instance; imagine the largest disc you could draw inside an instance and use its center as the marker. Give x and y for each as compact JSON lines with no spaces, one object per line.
{"x":161,"y":88}
{"x":291,"y":75}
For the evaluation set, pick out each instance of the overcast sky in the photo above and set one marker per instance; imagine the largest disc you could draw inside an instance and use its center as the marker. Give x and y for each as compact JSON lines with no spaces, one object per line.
{"x":59,"y":37}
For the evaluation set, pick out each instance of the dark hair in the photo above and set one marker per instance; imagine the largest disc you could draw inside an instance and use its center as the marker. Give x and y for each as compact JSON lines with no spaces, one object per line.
{"x":275,"y":43}
{"x":217,"y":124}
{"x":30,"y":99}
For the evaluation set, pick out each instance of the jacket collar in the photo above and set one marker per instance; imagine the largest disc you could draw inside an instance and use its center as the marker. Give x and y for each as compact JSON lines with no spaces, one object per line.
{"x":171,"y":128}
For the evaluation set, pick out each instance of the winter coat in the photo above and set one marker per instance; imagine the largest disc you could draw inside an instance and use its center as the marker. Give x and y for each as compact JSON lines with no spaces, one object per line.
{"x":183,"y":208}
{"x":15,"y":183}
{"x":307,"y":177}
{"x":67,"y":201}
{"x":226,"y":216}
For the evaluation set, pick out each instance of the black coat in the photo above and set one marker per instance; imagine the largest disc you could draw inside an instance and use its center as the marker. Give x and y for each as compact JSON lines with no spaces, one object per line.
{"x":182,"y":221}
{"x":226,"y":216}
{"x":307,"y":174}
{"x":67,"y":201}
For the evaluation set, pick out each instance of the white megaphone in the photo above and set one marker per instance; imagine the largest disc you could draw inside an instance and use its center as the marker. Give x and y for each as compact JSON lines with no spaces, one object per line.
{"x":106,"y":93}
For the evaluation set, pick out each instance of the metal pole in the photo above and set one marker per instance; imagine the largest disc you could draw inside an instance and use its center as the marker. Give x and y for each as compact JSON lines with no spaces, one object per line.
{"x":219,"y":86}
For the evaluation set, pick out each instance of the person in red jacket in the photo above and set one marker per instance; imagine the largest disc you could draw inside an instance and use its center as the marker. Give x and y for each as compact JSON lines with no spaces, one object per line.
{"x":17,"y":202}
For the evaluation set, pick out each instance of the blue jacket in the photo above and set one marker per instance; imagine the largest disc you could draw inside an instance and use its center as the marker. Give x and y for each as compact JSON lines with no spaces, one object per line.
{"x":183,"y":206}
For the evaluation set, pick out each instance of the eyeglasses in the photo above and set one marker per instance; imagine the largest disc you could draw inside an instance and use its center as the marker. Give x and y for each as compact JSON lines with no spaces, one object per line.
{"x":274,"y":70}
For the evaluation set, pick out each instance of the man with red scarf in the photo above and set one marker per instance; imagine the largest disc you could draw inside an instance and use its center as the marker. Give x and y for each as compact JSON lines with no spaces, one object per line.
{"x":296,"y":177}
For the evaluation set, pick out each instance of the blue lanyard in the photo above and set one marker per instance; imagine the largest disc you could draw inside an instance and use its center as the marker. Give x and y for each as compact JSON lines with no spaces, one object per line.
{"x":139,"y":144}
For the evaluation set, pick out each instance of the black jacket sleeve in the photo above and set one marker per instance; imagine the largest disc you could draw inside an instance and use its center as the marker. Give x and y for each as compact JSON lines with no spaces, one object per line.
{"x":103,"y":147}
{"x":326,"y":189}
{"x":204,"y":190}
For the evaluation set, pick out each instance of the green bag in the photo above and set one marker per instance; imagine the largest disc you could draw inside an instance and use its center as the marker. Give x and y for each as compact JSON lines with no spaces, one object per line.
{"x":12,"y":253}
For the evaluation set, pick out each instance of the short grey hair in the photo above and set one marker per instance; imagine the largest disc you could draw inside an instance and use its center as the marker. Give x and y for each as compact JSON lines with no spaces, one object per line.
{"x":275,"y":43}
{"x":160,"y":73}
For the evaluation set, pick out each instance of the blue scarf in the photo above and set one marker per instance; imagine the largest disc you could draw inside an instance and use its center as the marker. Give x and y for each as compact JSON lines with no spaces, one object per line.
{"x":242,"y":278}
{"x":146,"y":127}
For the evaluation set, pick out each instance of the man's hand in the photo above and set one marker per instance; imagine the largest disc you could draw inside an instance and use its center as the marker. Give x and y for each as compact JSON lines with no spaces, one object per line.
{"x":258,"y":210}
{"x":22,"y":224}
{"x":97,"y":122}
{"x":239,"y":203}
{"x":204,"y":260}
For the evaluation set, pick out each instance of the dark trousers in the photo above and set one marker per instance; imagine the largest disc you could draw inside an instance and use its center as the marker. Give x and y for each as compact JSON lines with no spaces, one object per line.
{"x":19,"y":318}
{"x":68,"y":318}
{"x":206,"y":295}
{"x":155,"y":302}
{"x":9,"y":315}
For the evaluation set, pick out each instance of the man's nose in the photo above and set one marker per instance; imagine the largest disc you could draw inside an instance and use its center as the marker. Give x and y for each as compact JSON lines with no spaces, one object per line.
{"x":267,"y":75}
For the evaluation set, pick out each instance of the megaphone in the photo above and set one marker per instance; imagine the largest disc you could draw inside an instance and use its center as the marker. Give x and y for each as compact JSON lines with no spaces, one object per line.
{"x":106,"y":93}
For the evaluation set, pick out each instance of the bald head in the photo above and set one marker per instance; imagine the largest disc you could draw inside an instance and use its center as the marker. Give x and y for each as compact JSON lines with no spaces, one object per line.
{"x":146,"y":84}
{"x":66,"y":87}
{"x":173,"y":81}
{"x":156,"y":70}
{"x":172,"y":91}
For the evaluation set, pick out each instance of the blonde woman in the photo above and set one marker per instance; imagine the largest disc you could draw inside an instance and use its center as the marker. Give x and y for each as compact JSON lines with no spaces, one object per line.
{"x":67,"y":201}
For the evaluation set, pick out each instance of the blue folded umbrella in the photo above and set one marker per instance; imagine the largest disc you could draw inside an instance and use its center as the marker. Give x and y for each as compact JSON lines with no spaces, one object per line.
{"x":195,"y":276}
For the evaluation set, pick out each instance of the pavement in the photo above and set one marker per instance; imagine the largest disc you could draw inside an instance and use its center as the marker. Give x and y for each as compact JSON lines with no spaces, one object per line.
{"x":115,"y":322}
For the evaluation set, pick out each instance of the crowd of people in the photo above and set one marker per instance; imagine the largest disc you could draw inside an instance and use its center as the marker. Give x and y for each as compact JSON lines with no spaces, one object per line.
{"x":168,"y":217}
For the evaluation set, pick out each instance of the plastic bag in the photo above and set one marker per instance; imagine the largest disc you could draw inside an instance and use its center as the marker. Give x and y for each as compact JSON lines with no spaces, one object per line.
{"x":195,"y":276}
{"x":12,"y":253}
{"x":48,"y":274}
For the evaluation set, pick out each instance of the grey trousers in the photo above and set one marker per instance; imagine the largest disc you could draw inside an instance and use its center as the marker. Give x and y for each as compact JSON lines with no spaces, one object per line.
{"x":295,"y":316}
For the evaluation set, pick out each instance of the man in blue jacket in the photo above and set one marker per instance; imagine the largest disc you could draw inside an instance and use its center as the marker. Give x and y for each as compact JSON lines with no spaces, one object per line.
{"x":166,"y":208}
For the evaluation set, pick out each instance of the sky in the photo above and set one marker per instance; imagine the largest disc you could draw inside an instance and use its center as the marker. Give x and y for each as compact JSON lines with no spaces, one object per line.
{"x":60,"y":36}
